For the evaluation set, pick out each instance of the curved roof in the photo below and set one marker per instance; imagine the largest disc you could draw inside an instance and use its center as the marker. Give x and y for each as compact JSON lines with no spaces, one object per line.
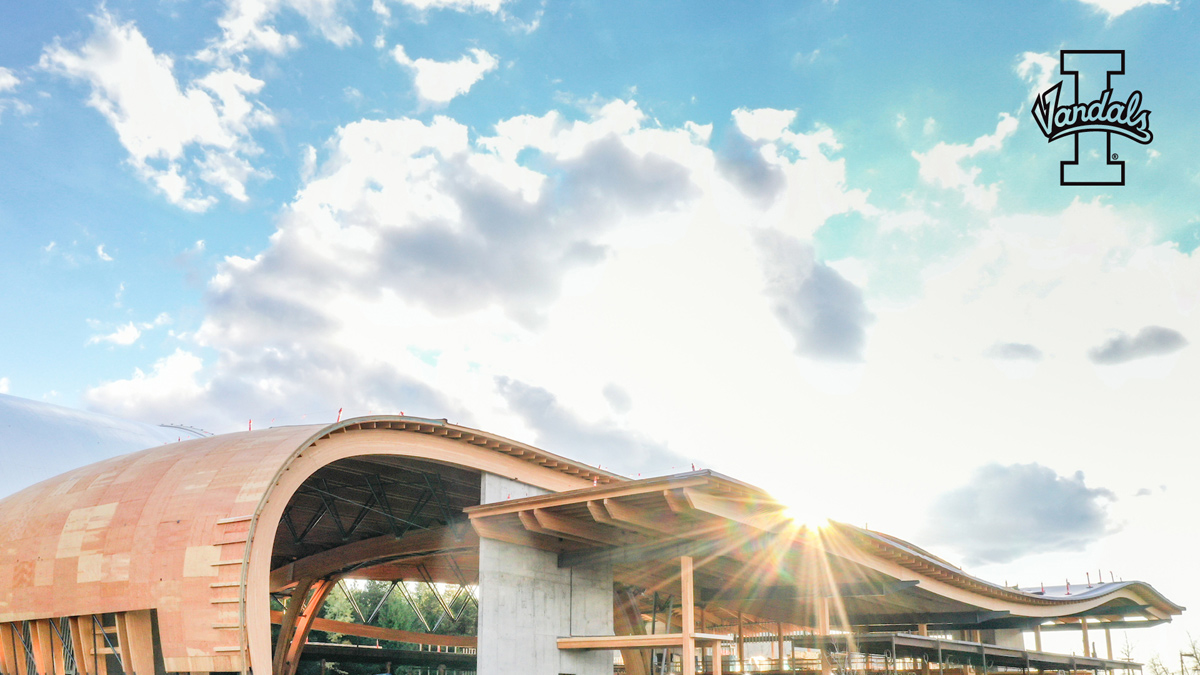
{"x":189,"y":529}
{"x":174,"y":527}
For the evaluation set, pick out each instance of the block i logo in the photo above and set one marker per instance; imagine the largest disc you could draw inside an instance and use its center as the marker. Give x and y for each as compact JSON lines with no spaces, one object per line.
{"x":1092,"y":117}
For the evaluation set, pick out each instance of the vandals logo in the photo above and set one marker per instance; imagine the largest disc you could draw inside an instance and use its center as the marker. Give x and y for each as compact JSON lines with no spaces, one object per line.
{"x":1092,"y":117}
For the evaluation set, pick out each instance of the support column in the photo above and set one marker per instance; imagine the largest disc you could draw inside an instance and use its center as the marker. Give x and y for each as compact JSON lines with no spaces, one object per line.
{"x":1086,"y":644}
{"x":1037,"y":637}
{"x":688,"y":608}
{"x":1108,"y":642}
{"x":304,"y":623}
{"x":83,"y":663}
{"x":526,"y":602}
{"x":823,"y":632}
{"x":741,"y":646}
{"x":43,"y":651}
{"x":779,"y":637}
{"x":8,"y":649}
{"x":923,"y":630}
{"x":140,"y":627}
{"x":56,"y":647}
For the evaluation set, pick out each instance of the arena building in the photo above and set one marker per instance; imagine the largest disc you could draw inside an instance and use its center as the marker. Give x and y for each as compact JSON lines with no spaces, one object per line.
{"x":215,"y":554}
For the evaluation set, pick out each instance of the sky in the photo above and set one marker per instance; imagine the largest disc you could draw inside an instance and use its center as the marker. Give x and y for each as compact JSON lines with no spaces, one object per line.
{"x":818,"y":246}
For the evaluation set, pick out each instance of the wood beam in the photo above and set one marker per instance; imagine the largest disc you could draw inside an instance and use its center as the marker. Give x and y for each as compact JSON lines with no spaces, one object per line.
{"x":517,"y":534}
{"x":637,"y":519}
{"x":304,"y":624}
{"x":139,"y":657}
{"x":389,"y":634}
{"x":83,"y":664}
{"x":736,"y":510}
{"x":688,"y":607}
{"x":659,"y":640}
{"x":43,"y":651}
{"x":8,"y":649}
{"x":334,"y":560}
{"x":56,"y":647}
{"x":593,"y":533}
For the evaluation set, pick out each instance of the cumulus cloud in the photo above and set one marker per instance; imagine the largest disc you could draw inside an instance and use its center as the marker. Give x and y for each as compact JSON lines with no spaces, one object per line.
{"x":175,"y":136}
{"x":741,"y":160}
{"x":1007,"y":512}
{"x":491,"y":6}
{"x":441,"y":81}
{"x":617,"y":397}
{"x":8,"y":81}
{"x":285,"y":384}
{"x":1037,"y":69}
{"x":1014,"y":351}
{"x":246,"y":25}
{"x":943,"y":165}
{"x":3,"y":385}
{"x":419,"y":259}
{"x":1115,"y":8}
{"x":122,"y":336}
{"x":1149,"y":341}
{"x":598,"y":443}
{"x":825,"y":314}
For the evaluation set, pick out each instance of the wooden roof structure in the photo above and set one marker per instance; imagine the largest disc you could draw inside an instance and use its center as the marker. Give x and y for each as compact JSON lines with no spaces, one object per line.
{"x":189,"y":539}
{"x":168,"y":558}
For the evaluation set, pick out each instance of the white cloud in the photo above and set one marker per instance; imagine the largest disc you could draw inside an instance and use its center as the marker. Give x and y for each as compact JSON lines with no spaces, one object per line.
{"x":1038,"y":70}
{"x":175,"y":136}
{"x":246,"y":26}
{"x":490,"y":6}
{"x":1115,"y":8}
{"x":3,"y":385}
{"x":441,"y":81}
{"x":123,"y":336}
{"x":481,"y":262}
{"x":943,"y":167}
{"x":104,"y":256}
{"x":8,"y":81}
{"x":163,"y":395}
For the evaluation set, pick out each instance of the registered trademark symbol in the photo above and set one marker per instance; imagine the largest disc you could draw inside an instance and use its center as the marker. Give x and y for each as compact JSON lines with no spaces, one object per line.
{"x":1114,"y":156}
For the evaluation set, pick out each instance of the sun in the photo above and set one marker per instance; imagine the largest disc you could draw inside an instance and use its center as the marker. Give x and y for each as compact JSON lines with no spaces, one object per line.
{"x":805,"y":517}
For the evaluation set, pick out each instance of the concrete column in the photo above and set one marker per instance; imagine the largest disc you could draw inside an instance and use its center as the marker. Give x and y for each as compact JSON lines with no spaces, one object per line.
{"x":526,"y":603}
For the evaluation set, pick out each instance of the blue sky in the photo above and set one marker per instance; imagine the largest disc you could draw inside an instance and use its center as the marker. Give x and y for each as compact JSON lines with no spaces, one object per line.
{"x":785,"y":240}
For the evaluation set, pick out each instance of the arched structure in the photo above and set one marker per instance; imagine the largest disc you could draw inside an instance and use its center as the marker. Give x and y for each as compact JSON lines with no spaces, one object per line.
{"x":166,"y":560}
{"x":188,"y":530}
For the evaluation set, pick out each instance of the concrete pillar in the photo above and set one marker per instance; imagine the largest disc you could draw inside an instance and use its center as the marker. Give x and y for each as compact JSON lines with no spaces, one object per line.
{"x":526,"y":603}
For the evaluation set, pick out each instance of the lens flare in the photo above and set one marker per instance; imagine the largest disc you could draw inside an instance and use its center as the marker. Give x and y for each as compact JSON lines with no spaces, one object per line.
{"x":805,"y":517}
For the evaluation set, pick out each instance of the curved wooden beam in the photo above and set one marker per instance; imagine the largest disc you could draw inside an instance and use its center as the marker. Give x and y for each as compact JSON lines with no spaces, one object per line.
{"x":332,"y":561}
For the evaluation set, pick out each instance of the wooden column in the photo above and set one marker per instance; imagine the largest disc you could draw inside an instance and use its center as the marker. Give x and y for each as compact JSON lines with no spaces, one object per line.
{"x":1086,"y":644}
{"x":304,"y":625}
{"x":923,"y":630}
{"x":8,"y":649}
{"x":823,"y":631}
{"x":18,"y":630}
{"x":716,"y":652}
{"x":43,"y":650}
{"x":83,"y":663}
{"x":56,"y":647}
{"x":139,"y":655}
{"x":741,"y":646}
{"x":123,"y":642}
{"x":287,"y":628}
{"x":779,"y":637}
{"x":688,"y":607}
